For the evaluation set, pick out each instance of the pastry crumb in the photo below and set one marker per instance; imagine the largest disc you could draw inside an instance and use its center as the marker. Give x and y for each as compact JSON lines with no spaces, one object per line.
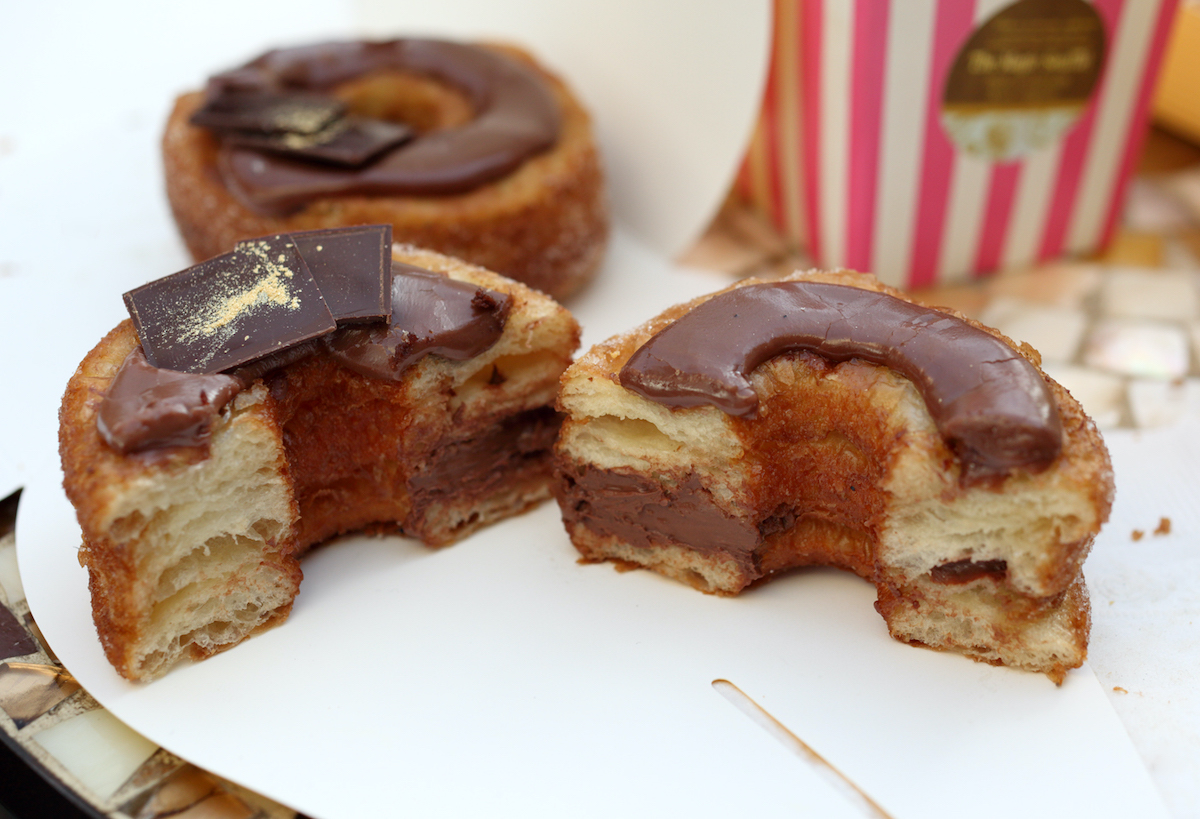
{"x":1164,"y":526}
{"x":1119,"y":689}
{"x":1137,"y":535}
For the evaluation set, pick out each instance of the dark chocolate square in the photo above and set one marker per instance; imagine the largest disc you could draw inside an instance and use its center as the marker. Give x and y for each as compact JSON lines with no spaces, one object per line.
{"x":234,"y":308}
{"x":268,"y":112}
{"x":353,"y":267}
{"x":349,"y":142}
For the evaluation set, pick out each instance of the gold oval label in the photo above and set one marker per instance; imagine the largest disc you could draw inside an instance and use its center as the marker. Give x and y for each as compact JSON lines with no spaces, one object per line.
{"x":1023,"y":78}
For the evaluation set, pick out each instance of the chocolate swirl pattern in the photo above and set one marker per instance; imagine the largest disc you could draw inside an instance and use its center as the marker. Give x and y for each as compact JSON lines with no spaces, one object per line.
{"x":515,"y":117}
{"x":474,"y":150}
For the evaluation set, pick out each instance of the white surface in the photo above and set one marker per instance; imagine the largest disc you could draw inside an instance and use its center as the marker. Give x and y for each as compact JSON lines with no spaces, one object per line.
{"x":497,"y":675}
{"x":1146,"y":604}
{"x":674,"y":86}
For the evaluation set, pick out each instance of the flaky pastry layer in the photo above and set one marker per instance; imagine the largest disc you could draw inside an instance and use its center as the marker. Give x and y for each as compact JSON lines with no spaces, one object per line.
{"x":192,"y":549}
{"x":843,"y":466}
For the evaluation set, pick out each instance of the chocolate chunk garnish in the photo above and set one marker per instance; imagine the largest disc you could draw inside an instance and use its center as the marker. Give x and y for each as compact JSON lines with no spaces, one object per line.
{"x":353,"y":268}
{"x":349,"y":141}
{"x":231,"y":309}
{"x":991,"y":405}
{"x":264,"y":112}
{"x":148,"y":407}
{"x":236,"y":80}
{"x":431,"y":313}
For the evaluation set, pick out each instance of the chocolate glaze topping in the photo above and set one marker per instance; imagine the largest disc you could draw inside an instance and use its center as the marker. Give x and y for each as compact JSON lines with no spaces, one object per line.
{"x":430,"y":314}
{"x":516,"y":117}
{"x":146,"y":407}
{"x":991,"y":405}
{"x":149,"y":408}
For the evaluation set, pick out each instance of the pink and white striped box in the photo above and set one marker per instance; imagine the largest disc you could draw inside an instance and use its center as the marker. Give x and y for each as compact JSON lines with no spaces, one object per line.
{"x":929,"y":141}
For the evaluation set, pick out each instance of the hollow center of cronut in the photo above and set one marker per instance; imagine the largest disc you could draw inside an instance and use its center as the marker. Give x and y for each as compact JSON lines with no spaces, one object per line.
{"x":419,"y":102}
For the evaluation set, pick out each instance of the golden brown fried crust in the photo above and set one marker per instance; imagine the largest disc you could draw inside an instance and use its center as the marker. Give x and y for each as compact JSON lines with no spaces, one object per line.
{"x":95,"y":476}
{"x":843,"y":467}
{"x":1005,"y":630}
{"x":546,"y":224}
{"x":91,"y":468}
{"x":339,"y":451}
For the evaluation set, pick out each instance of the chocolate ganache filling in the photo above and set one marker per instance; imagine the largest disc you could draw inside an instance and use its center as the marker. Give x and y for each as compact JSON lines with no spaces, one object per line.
{"x":275,"y":164}
{"x":642,"y":512}
{"x":430,"y":314}
{"x":990,"y":404}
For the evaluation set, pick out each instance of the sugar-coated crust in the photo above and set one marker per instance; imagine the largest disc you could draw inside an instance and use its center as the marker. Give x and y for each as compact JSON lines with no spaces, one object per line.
{"x":190,"y":550}
{"x":844,"y":467}
{"x":545,"y":224}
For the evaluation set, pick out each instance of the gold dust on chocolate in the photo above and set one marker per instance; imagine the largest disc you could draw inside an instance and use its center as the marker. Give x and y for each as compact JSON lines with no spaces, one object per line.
{"x":353,"y":268}
{"x":349,"y":141}
{"x":231,"y":309}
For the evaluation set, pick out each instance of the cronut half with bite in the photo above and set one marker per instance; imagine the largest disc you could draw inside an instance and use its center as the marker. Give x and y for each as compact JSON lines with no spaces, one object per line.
{"x":840,"y":464}
{"x":192,"y":549}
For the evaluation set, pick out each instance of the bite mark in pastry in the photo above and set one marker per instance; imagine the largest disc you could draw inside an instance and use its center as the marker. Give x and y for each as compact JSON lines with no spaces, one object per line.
{"x":197,"y":493}
{"x":828,"y":420}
